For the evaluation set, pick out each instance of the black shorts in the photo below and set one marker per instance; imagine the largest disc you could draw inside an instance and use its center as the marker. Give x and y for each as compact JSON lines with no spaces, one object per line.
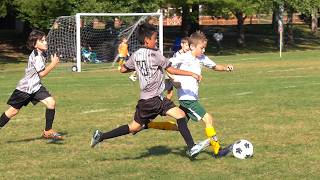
{"x":149,"y":109}
{"x":19,"y":98}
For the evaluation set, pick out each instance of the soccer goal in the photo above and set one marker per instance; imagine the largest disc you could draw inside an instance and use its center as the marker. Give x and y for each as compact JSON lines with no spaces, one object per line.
{"x":93,"y":38}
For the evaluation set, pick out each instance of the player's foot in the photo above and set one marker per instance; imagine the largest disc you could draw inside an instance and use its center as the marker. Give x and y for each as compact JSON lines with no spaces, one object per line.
{"x":224,"y":151}
{"x":51,"y":134}
{"x":96,"y":138}
{"x":195,"y":150}
{"x":133,"y":78}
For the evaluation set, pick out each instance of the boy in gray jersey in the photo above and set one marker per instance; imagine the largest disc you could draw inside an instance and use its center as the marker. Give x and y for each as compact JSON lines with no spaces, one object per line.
{"x":30,"y":88}
{"x":149,"y":63}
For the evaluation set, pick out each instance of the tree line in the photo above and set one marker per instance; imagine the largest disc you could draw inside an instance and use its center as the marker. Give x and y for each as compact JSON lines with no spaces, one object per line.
{"x":40,"y":14}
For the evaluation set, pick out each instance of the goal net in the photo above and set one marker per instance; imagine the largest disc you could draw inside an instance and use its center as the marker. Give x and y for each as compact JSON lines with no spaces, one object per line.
{"x":93,"y":38}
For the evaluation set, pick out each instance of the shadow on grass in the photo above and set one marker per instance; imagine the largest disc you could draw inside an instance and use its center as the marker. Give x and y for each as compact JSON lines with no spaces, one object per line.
{"x":49,"y":141}
{"x":157,"y":151}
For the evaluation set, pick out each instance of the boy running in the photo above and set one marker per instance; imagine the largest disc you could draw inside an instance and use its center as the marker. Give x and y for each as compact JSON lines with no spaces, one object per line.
{"x":149,"y":64}
{"x":188,"y":92}
{"x":30,"y":88}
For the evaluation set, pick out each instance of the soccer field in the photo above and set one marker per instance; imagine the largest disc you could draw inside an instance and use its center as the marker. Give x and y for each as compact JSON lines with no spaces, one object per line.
{"x":272,"y":102}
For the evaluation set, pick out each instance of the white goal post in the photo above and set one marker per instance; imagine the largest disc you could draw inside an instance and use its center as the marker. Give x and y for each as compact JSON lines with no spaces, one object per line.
{"x":79,"y":16}
{"x":94,"y":37}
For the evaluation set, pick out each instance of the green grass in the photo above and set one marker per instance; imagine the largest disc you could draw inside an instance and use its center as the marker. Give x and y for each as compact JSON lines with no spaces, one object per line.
{"x":272,"y":102}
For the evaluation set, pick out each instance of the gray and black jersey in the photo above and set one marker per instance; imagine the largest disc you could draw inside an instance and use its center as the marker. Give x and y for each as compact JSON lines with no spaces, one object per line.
{"x":149,"y":65}
{"x":31,"y":81}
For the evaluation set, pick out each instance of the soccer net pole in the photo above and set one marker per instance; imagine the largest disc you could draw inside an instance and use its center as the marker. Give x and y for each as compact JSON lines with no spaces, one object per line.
{"x":78,"y":29}
{"x":280,"y":29}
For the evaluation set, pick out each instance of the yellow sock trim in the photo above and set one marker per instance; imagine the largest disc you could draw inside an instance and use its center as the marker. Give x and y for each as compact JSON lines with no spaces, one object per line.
{"x":169,"y":125}
{"x":210,"y":132}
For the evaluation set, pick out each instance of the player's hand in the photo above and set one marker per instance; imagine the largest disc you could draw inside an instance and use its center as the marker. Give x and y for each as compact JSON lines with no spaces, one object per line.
{"x":229,"y":68}
{"x":55,"y":59}
{"x":197,"y":77}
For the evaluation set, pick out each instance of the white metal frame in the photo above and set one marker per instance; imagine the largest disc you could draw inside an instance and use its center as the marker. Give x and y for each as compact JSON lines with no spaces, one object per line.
{"x":78,"y":21}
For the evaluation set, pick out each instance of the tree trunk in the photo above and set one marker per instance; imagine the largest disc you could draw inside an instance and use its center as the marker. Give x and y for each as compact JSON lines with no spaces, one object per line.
{"x":275,"y":19}
{"x":314,"y":22}
{"x":194,"y":18}
{"x":240,"y":27}
{"x":186,"y":18}
{"x":290,"y":40}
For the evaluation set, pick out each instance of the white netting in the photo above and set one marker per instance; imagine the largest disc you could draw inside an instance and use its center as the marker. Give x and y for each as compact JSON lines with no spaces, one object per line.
{"x":99,"y":36}
{"x":62,"y":38}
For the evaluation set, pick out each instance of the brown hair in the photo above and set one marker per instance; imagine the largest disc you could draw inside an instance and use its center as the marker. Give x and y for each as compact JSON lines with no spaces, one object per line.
{"x":185,"y":40}
{"x":33,"y":37}
{"x":197,"y":38}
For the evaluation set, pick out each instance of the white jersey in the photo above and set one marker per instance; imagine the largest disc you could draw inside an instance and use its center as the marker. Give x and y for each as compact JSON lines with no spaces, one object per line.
{"x":31,"y":82}
{"x":177,"y":54}
{"x":190,"y":86}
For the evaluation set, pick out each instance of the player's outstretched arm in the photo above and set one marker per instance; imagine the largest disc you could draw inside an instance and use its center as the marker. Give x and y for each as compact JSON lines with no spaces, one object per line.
{"x":219,"y":67}
{"x":124,"y":69}
{"x":175,"y":71}
{"x":54,"y":61}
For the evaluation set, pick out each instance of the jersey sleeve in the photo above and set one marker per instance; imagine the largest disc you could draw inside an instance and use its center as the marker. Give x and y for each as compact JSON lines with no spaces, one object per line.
{"x":205,"y":61}
{"x":38,"y":63}
{"x":130,"y":63}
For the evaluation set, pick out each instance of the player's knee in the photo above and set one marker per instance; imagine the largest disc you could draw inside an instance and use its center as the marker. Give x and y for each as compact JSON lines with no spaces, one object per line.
{"x":12,"y":112}
{"x":181,"y":114}
{"x":51,"y":103}
{"x":207,"y":119}
{"x":134,"y":128}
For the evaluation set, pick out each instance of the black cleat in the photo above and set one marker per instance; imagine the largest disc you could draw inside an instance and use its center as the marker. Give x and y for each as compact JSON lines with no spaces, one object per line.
{"x":224,"y":151}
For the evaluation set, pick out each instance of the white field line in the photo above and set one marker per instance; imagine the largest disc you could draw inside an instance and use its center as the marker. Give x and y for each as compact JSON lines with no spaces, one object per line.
{"x":244,"y":93}
{"x":292,"y":69}
{"x":277,"y":77}
{"x":94,"y":111}
{"x":287,"y":87}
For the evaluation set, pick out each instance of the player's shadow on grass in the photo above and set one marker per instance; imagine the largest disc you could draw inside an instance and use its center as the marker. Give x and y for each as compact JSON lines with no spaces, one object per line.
{"x":158,"y":151}
{"x":49,"y":141}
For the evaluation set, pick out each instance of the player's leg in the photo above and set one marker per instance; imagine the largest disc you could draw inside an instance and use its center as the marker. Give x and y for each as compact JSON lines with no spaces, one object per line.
{"x":211,"y":133}
{"x":16,"y":101}
{"x":180,"y":116}
{"x":7,"y":115}
{"x":141,"y":117}
{"x":99,"y":136}
{"x":43,"y":96}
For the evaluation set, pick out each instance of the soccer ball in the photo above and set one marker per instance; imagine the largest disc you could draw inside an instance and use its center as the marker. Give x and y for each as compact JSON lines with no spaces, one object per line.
{"x":242,"y":149}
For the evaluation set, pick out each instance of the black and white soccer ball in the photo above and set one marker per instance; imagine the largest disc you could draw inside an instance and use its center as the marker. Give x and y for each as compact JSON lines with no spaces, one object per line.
{"x":242,"y":149}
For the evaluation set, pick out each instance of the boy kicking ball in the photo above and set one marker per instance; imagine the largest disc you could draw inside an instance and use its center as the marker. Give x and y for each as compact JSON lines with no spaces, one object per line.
{"x":30,"y":88}
{"x":149,"y":64}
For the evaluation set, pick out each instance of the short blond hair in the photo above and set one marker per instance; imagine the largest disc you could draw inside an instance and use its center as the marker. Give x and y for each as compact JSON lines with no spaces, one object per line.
{"x":197,"y":38}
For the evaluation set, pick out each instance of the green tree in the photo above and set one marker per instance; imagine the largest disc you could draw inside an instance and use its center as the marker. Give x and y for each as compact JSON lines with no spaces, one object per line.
{"x":241,"y":9}
{"x":40,"y":14}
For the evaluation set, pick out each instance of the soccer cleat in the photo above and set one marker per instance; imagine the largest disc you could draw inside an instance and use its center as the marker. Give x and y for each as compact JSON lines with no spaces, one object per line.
{"x":51,"y":134}
{"x":197,"y":148}
{"x":224,"y":152}
{"x":96,"y":138}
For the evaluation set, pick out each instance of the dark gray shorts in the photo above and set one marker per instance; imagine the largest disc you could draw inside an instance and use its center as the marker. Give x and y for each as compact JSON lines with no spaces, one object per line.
{"x":20,"y":98}
{"x":149,"y":109}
